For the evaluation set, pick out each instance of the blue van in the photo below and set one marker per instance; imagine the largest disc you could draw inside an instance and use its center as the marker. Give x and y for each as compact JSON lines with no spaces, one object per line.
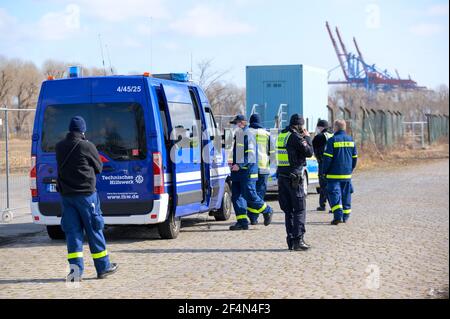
{"x":158,"y":140}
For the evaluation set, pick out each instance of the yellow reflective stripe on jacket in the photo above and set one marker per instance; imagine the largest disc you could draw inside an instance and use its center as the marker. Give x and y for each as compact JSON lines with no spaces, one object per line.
{"x":100,"y":254}
{"x":240,"y":217}
{"x":282,"y":154}
{"x":257,"y":211}
{"x":74,"y":255}
{"x":339,"y":176}
{"x":347,"y":211}
{"x":254,"y":176}
{"x":343,"y":144}
{"x":262,"y":139}
{"x":355,"y":156}
{"x":335,"y":208}
{"x":329,"y":155}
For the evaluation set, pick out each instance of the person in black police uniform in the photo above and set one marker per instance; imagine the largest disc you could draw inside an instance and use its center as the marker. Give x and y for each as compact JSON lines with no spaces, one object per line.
{"x":293,"y":147}
{"x":323,"y":134}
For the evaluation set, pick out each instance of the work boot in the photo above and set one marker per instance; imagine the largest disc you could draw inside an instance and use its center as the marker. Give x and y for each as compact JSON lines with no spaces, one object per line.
{"x":321,"y":209}
{"x":268,"y":218}
{"x":112,"y":269}
{"x":238,"y":226}
{"x":290,"y":243}
{"x":73,"y":279}
{"x":300,"y":245}
{"x":254,"y":222}
{"x":336,"y":222}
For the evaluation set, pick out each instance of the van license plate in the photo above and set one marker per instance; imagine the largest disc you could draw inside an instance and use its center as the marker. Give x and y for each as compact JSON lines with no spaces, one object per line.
{"x":51,"y":188}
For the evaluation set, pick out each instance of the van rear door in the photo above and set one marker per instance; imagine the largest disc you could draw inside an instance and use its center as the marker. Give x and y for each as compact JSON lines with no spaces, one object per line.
{"x":116,"y":124}
{"x":122,"y":135}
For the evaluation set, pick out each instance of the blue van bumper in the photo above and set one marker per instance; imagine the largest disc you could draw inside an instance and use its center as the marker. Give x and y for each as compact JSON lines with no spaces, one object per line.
{"x":156,"y":216}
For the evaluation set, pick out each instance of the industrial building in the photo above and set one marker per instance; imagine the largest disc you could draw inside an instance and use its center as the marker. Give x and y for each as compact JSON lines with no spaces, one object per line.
{"x":278,"y":92}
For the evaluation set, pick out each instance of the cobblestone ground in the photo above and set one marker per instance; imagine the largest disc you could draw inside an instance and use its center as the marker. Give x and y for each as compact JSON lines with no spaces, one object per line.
{"x":396,"y":246}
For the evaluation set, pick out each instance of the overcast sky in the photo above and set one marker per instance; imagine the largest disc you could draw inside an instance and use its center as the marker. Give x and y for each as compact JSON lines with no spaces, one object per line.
{"x":411,"y":36}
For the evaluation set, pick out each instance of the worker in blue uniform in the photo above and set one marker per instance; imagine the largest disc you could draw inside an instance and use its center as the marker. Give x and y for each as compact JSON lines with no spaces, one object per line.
{"x":340,"y":160}
{"x":323,"y":134}
{"x":266,"y":150}
{"x":244,"y":174}
{"x":293,"y":147}
{"x":78,"y":163}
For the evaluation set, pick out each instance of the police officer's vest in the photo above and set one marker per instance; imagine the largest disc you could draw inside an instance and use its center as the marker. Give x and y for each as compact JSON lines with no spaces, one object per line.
{"x":282,"y":153}
{"x":262,"y":139}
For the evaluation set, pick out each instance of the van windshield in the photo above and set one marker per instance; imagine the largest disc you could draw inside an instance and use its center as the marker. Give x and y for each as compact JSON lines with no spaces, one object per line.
{"x":117,"y":129}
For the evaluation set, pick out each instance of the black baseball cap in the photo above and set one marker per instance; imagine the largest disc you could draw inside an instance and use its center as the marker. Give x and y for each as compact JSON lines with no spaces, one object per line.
{"x":296,"y":119}
{"x":238,"y":118}
{"x":323,"y":123}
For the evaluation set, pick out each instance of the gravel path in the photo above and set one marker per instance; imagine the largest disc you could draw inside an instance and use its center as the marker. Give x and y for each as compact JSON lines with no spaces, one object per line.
{"x":396,"y":246}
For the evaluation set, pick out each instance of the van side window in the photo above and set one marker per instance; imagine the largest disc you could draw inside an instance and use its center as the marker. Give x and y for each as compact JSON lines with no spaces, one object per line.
{"x":212,"y":126}
{"x":162,"y":112}
{"x":186,"y":130}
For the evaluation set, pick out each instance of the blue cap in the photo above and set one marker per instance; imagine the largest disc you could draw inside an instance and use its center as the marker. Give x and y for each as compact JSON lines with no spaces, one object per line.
{"x":256,"y":121}
{"x":238,"y":118}
{"x":77,"y":124}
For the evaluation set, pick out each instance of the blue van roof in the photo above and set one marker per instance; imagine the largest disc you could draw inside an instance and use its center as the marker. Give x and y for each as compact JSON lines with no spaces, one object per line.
{"x":84,"y":86}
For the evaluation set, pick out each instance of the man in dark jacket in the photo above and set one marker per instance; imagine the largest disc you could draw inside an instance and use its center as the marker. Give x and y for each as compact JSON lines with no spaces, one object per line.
{"x":293,"y":147}
{"x":78,"y":163}
{"x":323,"y":134}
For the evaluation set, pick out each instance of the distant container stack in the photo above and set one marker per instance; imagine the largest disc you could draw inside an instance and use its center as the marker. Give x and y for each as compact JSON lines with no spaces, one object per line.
{"x":278,"y":92}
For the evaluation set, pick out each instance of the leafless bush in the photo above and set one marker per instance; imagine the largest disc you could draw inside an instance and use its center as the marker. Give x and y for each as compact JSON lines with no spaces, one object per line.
{"x":414,"y":105}
{"x":224,"y":97}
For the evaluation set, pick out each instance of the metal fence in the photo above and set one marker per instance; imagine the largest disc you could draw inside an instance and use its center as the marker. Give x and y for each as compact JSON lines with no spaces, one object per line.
{"x":385,"y":129}
{"x":16,"y":127}
{"x":437,"y":127}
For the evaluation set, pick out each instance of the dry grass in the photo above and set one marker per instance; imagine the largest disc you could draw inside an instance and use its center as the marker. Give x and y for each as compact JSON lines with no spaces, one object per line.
{"x":401,"y":156}
{"x":19,"y":155}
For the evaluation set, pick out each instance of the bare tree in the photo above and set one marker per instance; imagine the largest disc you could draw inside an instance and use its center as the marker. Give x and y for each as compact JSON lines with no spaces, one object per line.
{"x":6,"y":80}
{"x":414,"y":105}
{"x":207,"y":76}
{"x":225,"y":98}
{"x":54,"y":68}
{"x":25,"y":92}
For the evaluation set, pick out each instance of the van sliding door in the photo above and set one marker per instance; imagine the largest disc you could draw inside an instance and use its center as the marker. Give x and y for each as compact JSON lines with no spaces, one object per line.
{"x":185,"y":151}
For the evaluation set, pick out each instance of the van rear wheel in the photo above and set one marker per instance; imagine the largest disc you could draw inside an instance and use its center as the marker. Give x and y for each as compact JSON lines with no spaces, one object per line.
{"x":55,"y":232}
{"x":224,"y":213}
{"x":170,"y":229}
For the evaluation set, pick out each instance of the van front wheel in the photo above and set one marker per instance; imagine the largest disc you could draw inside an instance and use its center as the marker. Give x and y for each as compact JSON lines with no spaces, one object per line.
{"x":56,"y":232}
{"x":224,"y":213}
{"x":170,"y":229}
